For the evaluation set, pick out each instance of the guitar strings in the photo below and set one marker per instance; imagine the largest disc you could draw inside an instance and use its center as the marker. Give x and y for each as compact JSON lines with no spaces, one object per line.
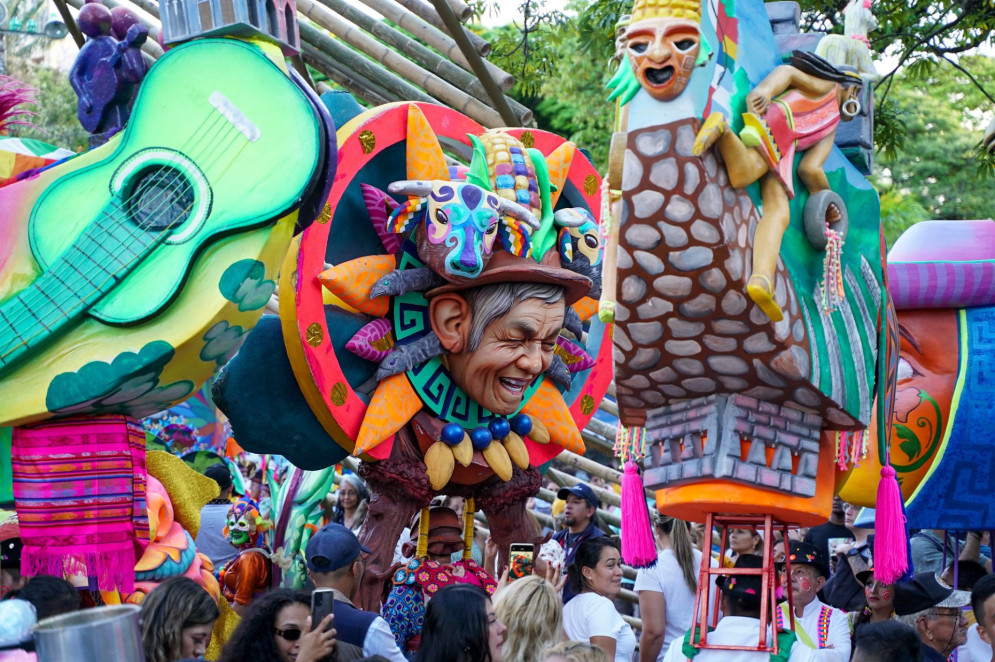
{"x":143,"y":187}
{"x":22,"y":297}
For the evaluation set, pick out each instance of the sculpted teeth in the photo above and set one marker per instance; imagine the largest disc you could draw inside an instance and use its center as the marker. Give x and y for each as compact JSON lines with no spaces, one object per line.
{"x":515,"y":385}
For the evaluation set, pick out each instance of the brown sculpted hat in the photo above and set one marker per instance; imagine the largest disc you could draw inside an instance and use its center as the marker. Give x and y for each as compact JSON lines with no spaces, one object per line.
{"x":504,"y":267}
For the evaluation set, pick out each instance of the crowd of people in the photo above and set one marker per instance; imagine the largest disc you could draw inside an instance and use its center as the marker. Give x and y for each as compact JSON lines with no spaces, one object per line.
{"x":448,"y":605}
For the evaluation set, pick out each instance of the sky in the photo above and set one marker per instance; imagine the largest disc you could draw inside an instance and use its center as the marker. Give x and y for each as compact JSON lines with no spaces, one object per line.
{"x":509,"y":11}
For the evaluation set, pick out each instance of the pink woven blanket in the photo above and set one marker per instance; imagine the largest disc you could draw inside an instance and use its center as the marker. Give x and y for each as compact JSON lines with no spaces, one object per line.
{"x":79,"y":489}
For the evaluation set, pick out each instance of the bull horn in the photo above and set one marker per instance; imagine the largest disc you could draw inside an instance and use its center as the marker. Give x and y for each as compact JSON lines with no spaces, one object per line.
{"x":417,"y":187}
{"x":507,"y":207}
{"x":572,"y":217}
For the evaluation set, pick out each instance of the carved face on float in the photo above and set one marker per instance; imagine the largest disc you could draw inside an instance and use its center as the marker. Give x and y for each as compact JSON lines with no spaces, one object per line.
{"x":461,"y":224}
{"x":500,"y":338}
{"x":662,"y":52}
{"x":460,"y":229}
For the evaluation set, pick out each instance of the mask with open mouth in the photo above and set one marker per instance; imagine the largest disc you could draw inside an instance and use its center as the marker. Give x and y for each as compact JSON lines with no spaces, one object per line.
{"x":662,"y":52}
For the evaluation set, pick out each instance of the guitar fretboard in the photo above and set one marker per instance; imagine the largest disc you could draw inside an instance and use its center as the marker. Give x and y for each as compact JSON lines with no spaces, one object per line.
{"x":89,"y":268}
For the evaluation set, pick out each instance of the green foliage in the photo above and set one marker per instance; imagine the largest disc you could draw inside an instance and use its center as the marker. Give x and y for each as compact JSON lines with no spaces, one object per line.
{"x":936,"y":173}
{"x":918,"y":36}
{"x":898,"y":213}
{"x":529,"y":49}
{"x":55,"y":118}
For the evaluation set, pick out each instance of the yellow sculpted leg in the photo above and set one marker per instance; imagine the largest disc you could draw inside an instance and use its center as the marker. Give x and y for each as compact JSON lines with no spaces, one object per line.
{"x":761,"y":291}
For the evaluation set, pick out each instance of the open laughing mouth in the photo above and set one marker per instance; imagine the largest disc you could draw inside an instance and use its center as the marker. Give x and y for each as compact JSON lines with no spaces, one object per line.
{"x":659,"y":76}
{"x":515,"y":386}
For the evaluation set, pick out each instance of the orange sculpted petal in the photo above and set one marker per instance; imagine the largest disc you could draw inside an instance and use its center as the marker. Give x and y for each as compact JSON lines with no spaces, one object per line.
{"x":352,"y":282}
{"x":585,"y":308}
{"x":394,"y":403}
{"x":559,"y":162}
{"x":548,"y":406}
{"x":425,"y":159}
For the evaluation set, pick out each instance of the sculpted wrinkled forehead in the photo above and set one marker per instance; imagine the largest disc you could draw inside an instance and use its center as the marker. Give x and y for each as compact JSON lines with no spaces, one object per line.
{"x":469,"y":195}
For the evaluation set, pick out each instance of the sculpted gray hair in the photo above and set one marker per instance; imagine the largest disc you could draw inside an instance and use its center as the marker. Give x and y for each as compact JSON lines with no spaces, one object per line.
{"x":492,"y":302}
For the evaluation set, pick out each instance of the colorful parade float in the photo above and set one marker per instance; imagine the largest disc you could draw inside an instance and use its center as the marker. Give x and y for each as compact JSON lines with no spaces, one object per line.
{"x":752,"y":320}
{"x":456,"y":299}
{"x":130,"y":273}
{"x":383,"y":307}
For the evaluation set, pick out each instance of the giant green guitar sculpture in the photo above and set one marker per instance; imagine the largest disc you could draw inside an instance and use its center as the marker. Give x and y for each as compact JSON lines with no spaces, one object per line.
{"x":116,"y":239}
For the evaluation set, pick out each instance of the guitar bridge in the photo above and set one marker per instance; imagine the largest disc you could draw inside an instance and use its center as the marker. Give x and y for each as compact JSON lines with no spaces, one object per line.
{"x":235,"y":116}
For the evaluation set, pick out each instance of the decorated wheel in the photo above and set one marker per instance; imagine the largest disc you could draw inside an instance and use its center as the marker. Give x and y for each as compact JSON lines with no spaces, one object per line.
{"x":356,"y":311}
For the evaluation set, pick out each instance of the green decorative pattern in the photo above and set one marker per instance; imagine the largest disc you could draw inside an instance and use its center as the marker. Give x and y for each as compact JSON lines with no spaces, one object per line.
{"x":127,"y":385}
{"x":244,"y":283}
{"x":222,"y":343}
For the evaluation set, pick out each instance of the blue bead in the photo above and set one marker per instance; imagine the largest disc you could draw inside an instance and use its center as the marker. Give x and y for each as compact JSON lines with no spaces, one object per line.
{"x":452,"y":434}
{"x":500,"y":427}
{"x":521,"y":424}
{"x":481,"y":438}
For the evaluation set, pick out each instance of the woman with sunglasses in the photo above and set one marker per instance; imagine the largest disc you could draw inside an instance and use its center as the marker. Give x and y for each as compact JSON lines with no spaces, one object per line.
{"x":276,"y":628}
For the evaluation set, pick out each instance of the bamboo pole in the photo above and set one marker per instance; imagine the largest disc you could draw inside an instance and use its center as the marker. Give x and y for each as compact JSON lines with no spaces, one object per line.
{"x":590,"y":466}
{"x":460,"y":9}
{"x":597,"y":442}
{"x":398,"y":64}
{"x":478,"y":63}
{"x":427,"y":13}
{"x":361,"y":87}
{"x":435,"y":38}
{"x":427,"y":58}
{"x":566,"y":480}
{"x":609,"y":407}
{"x":606,"y":430}
{"x":350,"y":59}
{"x":70,"y":22}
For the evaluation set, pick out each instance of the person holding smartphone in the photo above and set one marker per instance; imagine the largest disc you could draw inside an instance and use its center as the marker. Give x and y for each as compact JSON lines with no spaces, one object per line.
{"x":596,"y":577}
{"x":335,"y":562}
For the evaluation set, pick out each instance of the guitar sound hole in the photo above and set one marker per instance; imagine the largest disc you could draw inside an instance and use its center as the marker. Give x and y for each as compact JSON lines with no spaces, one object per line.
{"x":160,"y":198}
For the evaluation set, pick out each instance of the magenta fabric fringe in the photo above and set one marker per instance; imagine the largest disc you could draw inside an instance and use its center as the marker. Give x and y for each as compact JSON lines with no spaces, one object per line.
{"x":890,"y":539}
{"x":638,"y":543}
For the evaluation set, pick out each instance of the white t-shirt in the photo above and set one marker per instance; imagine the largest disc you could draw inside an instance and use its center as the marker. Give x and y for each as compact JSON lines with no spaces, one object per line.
{"x":592,"y":615}
{"x":975,"y":650}
{"x":666,"y":577}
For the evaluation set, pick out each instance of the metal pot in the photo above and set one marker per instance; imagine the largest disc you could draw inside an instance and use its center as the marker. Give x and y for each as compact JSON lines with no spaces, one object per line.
{"x":91,"y":635}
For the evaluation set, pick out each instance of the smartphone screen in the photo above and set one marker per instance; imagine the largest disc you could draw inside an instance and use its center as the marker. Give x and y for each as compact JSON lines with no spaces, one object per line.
{"x":522,"y":555}
{"x":322,"y":604}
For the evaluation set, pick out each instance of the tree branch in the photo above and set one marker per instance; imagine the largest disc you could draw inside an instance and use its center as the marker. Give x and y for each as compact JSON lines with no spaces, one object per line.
{"x":970,"y":77}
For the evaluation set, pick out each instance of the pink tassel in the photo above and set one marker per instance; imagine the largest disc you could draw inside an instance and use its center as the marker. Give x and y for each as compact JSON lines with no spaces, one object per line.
{"x":638,"y":544}
{"x":890,"y":542}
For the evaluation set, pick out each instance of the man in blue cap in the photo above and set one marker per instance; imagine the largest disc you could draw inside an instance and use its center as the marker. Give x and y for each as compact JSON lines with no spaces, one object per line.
{"x":335,"y":560}
{"x":578,"y":515}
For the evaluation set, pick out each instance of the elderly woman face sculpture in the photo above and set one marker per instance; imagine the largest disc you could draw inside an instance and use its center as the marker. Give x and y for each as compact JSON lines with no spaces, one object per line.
{"x":662,"y":52}
{"x":500,"y":337}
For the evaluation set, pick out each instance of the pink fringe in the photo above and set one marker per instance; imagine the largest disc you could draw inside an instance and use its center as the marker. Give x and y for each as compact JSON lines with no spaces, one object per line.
{"x":890,"y":541}
{"x":113,"y":569}
{"x":638,"y":544}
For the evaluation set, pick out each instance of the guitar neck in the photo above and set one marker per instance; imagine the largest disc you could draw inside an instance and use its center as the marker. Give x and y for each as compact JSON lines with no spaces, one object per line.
{"x":99,"y":258}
